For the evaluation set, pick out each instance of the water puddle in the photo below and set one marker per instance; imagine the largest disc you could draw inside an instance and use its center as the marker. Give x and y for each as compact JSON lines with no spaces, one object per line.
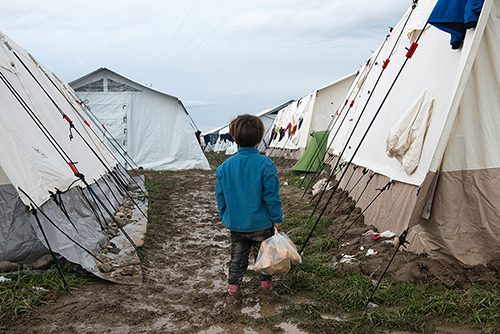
{"x":236,"y":328}
{"x":290,"y":329}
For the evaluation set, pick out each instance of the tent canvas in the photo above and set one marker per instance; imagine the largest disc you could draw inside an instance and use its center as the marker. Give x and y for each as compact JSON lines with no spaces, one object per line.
{"x":446,"y":103}
{"x":39,"y":158}
{"x":311,"y":160}
{"x":295,"y":122}
{"x":153,"y":127}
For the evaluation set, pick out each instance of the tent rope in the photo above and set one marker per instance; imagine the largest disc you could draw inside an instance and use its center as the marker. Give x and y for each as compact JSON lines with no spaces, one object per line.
{"x":370,"y":178}
{"x":409,"y":55}
{"x":92,"y":208}
{"x":401,"y":243}
{"x":103,"y":177}
{"x":54,"y":257}
{"x":104,"y":194}
{"x":112,"y":140}
{"x":370,"y":63}
{"x":82,"y":118}
{"x":118,"y":181}
{"x":380,"y":191}
{"x":51,"y":139}
{"x":60,"y":204}
{"x":364,"y":172}
{"x":384,"y":67}
{"x":38,"y":209}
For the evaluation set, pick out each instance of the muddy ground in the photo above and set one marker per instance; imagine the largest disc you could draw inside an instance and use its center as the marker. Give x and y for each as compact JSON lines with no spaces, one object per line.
{"x":184,"y":265}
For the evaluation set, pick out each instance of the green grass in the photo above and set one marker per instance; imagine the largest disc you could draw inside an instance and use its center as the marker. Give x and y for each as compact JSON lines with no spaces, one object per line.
{"x":295,"y":178}
{"x":151,"y":186}
{"x":215,"y":158}
{"x":401,"y":305}
{"x":27,"y":290}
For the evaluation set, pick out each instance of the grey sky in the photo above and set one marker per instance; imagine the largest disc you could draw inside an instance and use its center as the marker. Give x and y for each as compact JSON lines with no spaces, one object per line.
{"x":221,"y":57}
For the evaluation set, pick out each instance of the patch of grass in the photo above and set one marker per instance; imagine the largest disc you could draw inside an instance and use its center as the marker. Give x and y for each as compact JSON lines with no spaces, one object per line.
{"x":27,"y":290}
{"x":403,"y":306}
{"x":323,"y":245}
{"x":151,"y":186}
{"x":215,"y":159}
{"x":294,"y":178}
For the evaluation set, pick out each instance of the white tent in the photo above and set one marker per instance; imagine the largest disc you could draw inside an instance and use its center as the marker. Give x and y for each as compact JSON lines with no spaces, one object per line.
{"x":41,"y":154}
{"x":153,"y":127}
{"x":295,"y":122}
{"x":435,"y":136}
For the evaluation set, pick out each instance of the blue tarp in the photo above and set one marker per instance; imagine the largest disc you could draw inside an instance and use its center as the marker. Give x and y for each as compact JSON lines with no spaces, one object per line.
{"x":455,"y":17}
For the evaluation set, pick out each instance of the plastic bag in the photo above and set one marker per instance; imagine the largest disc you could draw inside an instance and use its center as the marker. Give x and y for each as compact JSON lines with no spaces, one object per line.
{"x":276,"y":255}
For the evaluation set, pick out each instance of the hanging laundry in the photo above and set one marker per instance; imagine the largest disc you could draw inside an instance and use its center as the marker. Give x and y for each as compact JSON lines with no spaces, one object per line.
{"x":301,"y":120}
{"x":289,"y":128}
{"x":198,"y":136}
{"x":273,"y":135}
{"x":406,"y":138}
{"x":455,"y":17}
{"x":282,"y":134}
{"x":226,"y":137}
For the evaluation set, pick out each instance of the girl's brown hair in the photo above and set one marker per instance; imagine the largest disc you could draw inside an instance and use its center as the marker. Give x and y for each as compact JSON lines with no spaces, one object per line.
{"x":247,"y":130}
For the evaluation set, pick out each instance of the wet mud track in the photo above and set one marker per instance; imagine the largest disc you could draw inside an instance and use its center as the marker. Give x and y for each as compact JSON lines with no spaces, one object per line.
{"x":184,"y":265}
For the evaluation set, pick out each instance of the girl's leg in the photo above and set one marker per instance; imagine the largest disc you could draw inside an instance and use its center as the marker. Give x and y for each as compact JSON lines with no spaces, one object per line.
{"x":240,"y":249}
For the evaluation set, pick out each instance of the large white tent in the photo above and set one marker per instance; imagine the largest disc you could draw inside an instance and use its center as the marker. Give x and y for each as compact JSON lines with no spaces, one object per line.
{"x":434,"y":134}
{"x":295,"y":123}
{"x":153,"y":127}
{"x":49,"y":160}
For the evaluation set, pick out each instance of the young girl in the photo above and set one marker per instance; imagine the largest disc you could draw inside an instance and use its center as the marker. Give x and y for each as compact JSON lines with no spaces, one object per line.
{"x":247,"y":192}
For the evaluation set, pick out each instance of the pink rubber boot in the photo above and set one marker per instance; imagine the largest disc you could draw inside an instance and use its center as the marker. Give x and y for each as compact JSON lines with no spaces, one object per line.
{"x":232,"y":290}
{"x":266,"y":285}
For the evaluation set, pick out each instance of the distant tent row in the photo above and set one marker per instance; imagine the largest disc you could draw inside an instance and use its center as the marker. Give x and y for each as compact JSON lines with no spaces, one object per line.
{"x":220,"y":140}
{"x":422,"y":118}
{"x":153,"y":127}
{"x":292,"y":128}
{"x":51,"y":162}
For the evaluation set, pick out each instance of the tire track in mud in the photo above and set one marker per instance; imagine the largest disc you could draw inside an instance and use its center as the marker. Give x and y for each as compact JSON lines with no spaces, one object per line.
{"x":184,"y":264}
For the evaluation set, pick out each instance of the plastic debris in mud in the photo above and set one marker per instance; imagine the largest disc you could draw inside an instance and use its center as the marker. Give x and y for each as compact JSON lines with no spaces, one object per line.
{"x":388,"y":234}
{"x":347,"y":259}
{"x":371,"y":252}
{"x":4,"y":279}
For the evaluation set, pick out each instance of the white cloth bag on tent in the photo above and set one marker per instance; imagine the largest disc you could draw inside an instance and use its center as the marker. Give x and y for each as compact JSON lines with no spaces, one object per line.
{"x":406,"y":138}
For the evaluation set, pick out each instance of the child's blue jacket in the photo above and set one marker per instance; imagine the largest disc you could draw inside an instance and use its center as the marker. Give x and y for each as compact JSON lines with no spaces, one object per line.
{"x":247,"y":191}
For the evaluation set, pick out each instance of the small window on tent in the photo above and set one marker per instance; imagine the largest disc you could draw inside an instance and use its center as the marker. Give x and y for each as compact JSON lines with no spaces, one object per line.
{"x":95,"y":86}
{"x":114,"y":86}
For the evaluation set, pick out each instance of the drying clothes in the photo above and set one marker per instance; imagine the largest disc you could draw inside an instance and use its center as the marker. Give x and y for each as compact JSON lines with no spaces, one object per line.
{"x":455,"y":17}
{"x":406,"y":138}
{"x":211,"y":138}
{"x":419,"y":20}
{"x":363,"y":74}
{"x":273,"y":135}
{"x":282,"y":134}
{"x":198,"y":136}
{"x":301,"y":120}
{"x":226,"y":137}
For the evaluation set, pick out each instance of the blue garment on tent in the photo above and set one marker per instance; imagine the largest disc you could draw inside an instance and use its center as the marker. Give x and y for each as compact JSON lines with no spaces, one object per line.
{"x":455,"y":17}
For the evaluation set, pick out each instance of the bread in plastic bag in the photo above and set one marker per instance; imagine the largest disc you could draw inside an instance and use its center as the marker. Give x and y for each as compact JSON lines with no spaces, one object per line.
{"x":276,"y":255}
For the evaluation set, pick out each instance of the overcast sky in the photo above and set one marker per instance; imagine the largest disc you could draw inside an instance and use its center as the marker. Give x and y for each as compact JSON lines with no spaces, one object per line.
{"x":220,"y":57}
